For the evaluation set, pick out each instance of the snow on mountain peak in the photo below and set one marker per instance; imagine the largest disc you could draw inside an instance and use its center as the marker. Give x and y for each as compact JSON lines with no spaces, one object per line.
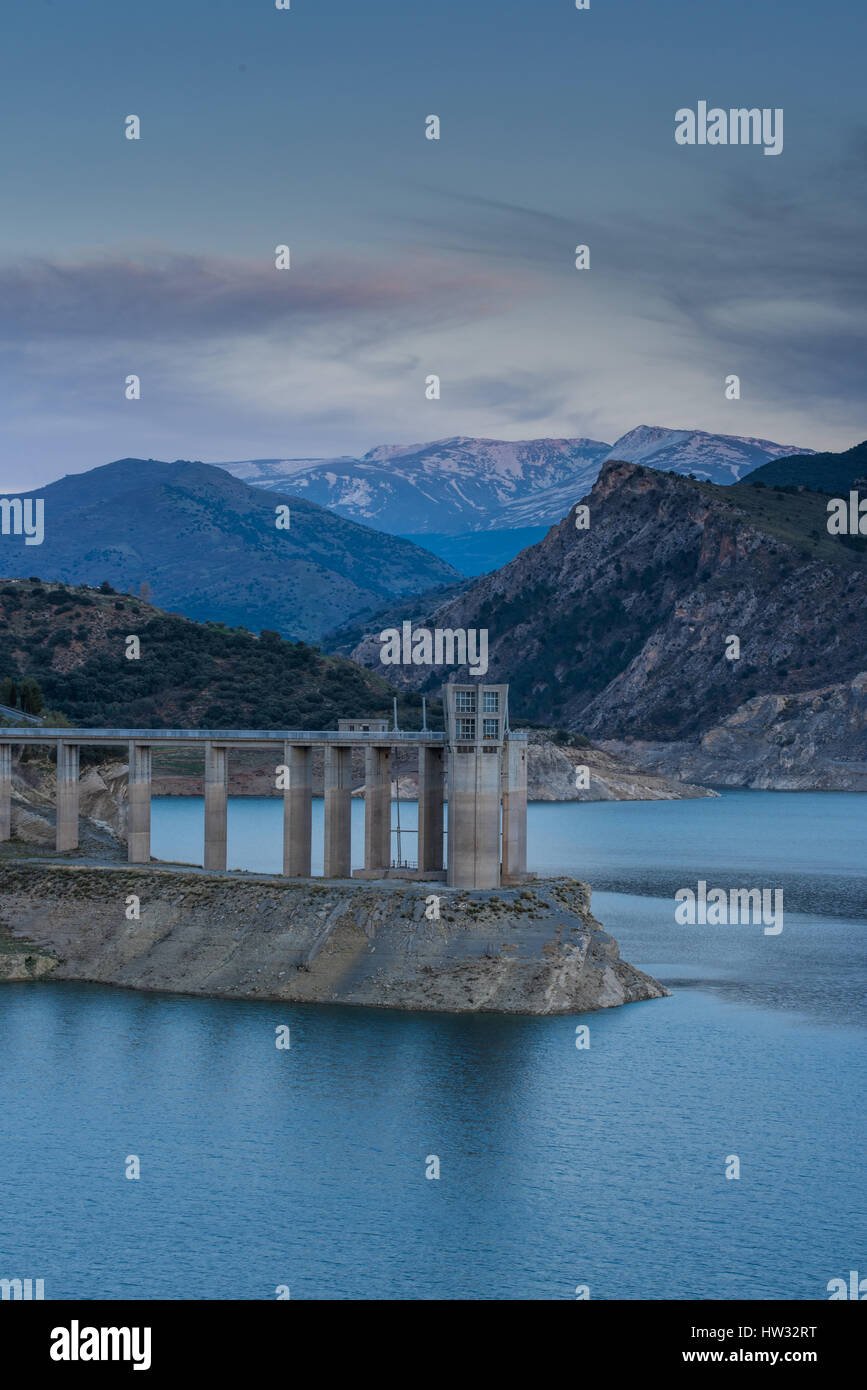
{"x":718,"y":458}
{"x":461,"y":484}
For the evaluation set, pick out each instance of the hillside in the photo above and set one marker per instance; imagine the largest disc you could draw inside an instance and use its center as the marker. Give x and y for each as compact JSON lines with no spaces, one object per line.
{"x":834,"y":474}
{"x":72,"y":641}
{"x":208,"y":546}
{"x":815,"y":740}
{"x":189,"y":674}
{"x":620,"y":631}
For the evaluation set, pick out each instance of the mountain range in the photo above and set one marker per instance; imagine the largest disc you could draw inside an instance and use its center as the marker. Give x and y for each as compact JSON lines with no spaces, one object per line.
{"x":621,"y":630}
{"x":208,"y":546}
{"x":434,"y":492}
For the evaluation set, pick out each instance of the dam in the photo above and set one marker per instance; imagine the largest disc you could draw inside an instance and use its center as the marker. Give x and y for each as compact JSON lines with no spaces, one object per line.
{"x":478,"y":758}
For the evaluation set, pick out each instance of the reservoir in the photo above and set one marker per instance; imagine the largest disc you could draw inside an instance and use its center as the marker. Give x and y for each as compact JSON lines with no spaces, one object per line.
{"x":559,"y":1166}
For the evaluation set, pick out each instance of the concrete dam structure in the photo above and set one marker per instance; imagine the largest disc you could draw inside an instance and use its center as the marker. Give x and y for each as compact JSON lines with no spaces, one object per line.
{"x":483,"y":762}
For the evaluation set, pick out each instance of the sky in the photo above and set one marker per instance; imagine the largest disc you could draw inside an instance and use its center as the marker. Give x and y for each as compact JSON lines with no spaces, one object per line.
{"x":411,"y":257}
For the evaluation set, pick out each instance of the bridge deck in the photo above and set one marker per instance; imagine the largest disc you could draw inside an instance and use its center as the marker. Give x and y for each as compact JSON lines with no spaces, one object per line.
{"x":227,"y":738}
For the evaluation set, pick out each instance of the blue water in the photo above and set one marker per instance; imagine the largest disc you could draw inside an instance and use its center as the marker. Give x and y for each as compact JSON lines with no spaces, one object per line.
{"x":559,"y":1167}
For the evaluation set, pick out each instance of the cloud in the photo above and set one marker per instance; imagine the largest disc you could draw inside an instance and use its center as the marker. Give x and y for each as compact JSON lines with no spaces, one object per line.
{"x":515,"y":396}
{"x":765,"y":277}
{"x":161,"y":298}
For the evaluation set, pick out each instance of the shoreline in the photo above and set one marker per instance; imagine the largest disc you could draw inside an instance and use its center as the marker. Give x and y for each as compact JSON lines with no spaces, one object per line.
{"x":530,"y":949}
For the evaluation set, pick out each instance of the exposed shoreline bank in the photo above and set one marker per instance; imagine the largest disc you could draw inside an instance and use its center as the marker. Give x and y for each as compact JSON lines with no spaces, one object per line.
{"x":536,"y":949}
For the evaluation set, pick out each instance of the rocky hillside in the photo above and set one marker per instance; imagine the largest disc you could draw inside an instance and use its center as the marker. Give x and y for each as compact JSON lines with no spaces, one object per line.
{"x":621,"y":630}
{"x":814,"y":740}
{"x":189,"y":675}
{"x":208,"y":546}
{"x":555,"y":772}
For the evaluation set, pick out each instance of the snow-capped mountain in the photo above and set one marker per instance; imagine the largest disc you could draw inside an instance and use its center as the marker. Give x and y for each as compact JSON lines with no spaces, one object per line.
{"x":450,"y":486}
{"x":274,"y":472}
{"x":462,"y":485}
{"x":715,"y":458}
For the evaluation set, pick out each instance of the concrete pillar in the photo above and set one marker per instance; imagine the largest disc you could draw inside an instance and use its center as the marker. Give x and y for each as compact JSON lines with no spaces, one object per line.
{"x":297,"y":810}
{"x":67,"y":796}
{"x":430,"y":808}
{"x":216,"y":789}
{"x":5,"y":791}
{"x":377,"y":807}
{"x":138,"y":830}
{"x":514,"y":810}
{"x":474,"y":819}
{"x":338,"y":811}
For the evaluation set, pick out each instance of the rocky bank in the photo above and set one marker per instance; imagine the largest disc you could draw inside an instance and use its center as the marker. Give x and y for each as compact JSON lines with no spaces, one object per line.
{"x":813,"y":741}
{"x":102,"y":803}
{"x":531,"y":950}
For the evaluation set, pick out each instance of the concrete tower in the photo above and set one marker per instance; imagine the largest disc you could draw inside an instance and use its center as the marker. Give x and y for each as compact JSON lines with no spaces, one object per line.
{"x":486,"y":764}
